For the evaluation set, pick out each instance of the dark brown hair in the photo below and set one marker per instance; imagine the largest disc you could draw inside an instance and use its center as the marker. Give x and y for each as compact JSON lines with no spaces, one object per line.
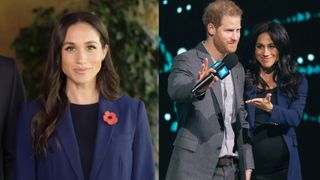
{"x":53,"y":100}
{"x":285,"y":69}
{"x":214,"y":12}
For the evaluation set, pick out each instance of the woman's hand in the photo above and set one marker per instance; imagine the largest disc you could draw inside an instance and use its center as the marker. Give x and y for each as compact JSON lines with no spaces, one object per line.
{"x":248,"y":174}
{"x":262,"y":103}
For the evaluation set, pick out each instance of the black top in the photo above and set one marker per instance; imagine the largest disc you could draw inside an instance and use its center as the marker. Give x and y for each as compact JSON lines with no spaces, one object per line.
{"x":271,"y":154}
{"x":85,"y":119}
{"x":261,"y":115}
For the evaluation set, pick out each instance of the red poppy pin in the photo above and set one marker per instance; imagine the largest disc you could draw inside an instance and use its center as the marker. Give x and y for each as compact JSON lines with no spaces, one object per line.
{"x":110,"y":118}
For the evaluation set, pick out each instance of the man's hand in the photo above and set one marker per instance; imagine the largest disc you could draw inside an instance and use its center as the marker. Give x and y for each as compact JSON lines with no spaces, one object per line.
{"x":204,"y":72}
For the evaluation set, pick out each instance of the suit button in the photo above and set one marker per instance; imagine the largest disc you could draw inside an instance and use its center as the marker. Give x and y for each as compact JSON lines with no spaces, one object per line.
{"x":219,"y":148}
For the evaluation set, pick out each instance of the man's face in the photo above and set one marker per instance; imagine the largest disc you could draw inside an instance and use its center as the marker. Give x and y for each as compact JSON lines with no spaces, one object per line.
{"x":227,"y":36}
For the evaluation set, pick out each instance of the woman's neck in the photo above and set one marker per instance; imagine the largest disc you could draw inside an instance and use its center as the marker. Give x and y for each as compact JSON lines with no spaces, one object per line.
{"x":268,"y":78}
{"x":82,"y":94}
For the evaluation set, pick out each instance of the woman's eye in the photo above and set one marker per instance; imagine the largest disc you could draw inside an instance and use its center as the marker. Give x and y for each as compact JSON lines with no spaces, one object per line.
{"x":69,"y":48}
{"x":91,"y":47}
{"x":259,"y":46}
{"x":272,"y":46}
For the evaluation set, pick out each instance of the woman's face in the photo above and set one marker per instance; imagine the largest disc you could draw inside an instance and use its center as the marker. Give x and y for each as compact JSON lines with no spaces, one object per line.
{"x":266,"y":52}
{"x":82,"y":54}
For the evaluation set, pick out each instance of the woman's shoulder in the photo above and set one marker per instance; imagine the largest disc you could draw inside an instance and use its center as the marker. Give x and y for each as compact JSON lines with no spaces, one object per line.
{"x":28,"y":110}
{"x":304,"y":79}
{"x":129,"y":105}
{"x":303,"y":83}
{"x":30,"y":107}
{"x":31,"y":104}
{"x":129,"y":101}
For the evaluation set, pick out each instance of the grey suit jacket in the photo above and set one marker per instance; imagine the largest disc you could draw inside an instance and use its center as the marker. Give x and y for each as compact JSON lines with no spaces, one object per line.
{"x":11,"y":99}
{"x":198,"y":142}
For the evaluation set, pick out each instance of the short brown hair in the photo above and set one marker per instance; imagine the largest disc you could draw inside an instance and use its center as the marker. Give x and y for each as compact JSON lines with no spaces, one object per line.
{"x":214,"y":12}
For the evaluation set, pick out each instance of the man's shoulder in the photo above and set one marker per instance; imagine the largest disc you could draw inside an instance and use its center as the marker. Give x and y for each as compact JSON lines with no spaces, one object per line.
{"x":190,"y":54}
{"x":6,"y":61}
{"x":239,"y":65}
{"x":8,"y":69}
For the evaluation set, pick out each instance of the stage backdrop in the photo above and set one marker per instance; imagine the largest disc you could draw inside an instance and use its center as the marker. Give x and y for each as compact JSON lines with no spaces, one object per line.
{"x":181,"y":29}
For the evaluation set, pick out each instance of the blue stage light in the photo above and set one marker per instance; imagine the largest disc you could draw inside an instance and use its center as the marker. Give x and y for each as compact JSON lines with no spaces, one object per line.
{"x":164,"y":2}
{"x":181,"y":50}
{"x":300,"y":60}
{"x":310,"y":57}
{"x":174,"y":126}
{"x":188,"y":7}
{"x":167,"y":57}
{"x":167,"y":116}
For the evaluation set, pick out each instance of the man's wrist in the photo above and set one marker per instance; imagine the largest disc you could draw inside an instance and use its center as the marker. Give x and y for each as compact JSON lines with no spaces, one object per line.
{"x":200,"y":95}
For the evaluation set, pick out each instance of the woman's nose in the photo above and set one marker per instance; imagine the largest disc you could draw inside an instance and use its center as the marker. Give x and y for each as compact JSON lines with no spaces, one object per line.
{"x":81,"y":57}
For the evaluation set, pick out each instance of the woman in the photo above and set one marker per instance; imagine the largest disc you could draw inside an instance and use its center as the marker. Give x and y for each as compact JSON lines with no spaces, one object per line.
{"x":276,"y":96}
{"x":80,"y":127}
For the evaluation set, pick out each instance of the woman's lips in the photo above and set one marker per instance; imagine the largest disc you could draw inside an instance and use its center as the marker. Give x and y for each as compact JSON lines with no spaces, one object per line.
{"x":81,"y":70}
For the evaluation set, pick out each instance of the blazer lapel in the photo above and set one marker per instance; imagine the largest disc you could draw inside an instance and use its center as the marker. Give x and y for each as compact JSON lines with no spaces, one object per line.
{"x":250,"y":108}
{"x":202,"y":54}
{"x":282,"y":98}
{"x":236,"y":86}
{"x":69,"y":143}
{"x":104,"y":134}
{"x":218,"y":94}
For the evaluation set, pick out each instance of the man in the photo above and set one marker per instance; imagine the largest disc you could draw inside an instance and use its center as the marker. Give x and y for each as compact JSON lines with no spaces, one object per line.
{"x":11,"y":98}
{"x":212,"y":141}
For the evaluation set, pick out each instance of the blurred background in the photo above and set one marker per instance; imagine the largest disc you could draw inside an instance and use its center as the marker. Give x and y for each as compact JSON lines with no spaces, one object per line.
{"x":181,"y":29}
{"x":26,"y":27}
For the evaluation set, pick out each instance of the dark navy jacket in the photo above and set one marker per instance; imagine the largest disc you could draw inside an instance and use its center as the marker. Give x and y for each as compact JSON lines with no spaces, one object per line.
{"x":123,"y":151}
{"x":286,"y":113}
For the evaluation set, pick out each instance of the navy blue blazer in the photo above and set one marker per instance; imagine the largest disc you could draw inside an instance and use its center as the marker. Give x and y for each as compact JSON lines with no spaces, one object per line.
{"x":123,"y":151}
{"x":286,"y":113}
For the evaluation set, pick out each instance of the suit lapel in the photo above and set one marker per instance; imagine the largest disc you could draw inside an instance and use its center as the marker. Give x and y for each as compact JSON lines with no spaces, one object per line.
{"x":236,"y":87}
{"x":69,"y":143}
{"x":202,"y":54}
{"x":250,"y":108}
{"x":282,"y":99}
{"x":103,"y":137}
{"x":218,"y":94}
